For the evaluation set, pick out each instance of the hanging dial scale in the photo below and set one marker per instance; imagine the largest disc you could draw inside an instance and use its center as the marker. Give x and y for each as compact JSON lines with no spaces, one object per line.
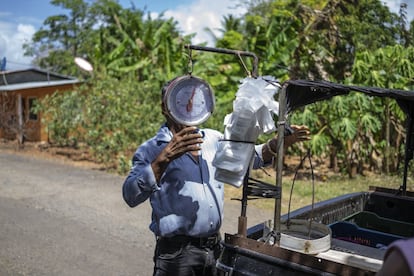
{"x":189,"y":100}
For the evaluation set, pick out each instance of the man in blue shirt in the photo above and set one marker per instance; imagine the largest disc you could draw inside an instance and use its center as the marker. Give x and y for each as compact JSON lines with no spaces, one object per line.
{"x":174,"y":170}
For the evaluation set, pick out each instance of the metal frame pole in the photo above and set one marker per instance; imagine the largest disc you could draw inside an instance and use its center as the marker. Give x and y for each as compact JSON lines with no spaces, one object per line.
{"x":279,"y":165}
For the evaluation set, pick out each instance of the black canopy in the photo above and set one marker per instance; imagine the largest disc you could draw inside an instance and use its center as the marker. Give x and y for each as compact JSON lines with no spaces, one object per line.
{"x":303,"y":92}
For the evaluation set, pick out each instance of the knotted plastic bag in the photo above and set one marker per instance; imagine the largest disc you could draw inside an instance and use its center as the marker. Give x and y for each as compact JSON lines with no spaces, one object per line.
{"x":251,"y":116}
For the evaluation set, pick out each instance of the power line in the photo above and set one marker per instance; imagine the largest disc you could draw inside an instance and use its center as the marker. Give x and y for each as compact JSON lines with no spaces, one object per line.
{"x":18,"y":63}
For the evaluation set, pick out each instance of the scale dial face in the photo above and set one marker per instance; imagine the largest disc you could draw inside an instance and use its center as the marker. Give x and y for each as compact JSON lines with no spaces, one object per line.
{"x":189,"y":100}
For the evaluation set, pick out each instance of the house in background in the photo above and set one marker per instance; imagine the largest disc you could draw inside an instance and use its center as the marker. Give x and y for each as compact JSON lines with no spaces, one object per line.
{"x":19,"y":91}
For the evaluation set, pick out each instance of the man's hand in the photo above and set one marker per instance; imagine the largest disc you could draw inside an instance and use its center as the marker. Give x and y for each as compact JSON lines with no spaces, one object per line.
{"x":186,"y":140}
{"x":299,"y":134}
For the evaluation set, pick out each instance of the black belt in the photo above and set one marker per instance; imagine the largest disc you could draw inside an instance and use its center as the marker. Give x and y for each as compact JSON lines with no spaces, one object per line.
{"x":202,"y":242}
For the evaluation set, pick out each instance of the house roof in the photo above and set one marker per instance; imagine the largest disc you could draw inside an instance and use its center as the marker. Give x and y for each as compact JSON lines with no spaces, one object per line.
{"x":28,"y":85}
{"x":32,"y":78}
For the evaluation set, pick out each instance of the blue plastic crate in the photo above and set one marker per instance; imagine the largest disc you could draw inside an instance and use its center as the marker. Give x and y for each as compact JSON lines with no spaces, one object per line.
{"x":370,"y":220}
{"x":350,"y":232}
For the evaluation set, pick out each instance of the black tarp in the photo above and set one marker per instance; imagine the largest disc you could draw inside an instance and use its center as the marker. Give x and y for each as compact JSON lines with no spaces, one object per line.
{"x":304,"y":92}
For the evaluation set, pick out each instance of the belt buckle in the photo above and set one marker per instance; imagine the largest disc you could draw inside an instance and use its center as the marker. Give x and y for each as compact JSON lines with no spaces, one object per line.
{"x":210,"y":242}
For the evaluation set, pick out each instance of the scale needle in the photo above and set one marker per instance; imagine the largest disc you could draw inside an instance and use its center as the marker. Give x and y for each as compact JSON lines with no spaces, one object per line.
{"x":190,"y":101}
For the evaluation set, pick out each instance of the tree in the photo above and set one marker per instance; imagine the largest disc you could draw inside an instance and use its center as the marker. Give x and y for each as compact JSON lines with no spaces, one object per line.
{"x":134,"y":55}
{"x":320,"y":40}
{"x":387,"y":67}
{"x":315,"y":39}
{"x":118,"y":107}
{"x":364,"y":131}
{"x":58,"y":40}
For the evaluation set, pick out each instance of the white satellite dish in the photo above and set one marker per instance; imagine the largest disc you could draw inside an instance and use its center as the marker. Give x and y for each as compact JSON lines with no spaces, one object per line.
{"x":83,"y":64}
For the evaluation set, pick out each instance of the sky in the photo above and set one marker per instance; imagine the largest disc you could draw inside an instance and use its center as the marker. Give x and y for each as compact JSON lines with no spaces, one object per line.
{"x":20,"y":19}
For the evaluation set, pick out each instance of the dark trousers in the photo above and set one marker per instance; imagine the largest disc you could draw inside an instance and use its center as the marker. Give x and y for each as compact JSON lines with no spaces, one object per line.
{"x":182,"y":257}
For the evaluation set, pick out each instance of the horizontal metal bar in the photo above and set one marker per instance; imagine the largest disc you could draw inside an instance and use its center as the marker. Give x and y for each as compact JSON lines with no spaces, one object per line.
{"x":228,"y":51}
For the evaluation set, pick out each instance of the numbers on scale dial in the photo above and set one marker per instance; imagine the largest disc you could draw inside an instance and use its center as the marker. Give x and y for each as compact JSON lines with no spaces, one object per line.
{"x":191,"y":102}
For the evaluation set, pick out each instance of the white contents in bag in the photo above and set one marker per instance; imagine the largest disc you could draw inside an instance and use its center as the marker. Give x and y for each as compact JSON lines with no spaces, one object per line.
{"x":251,"y":116}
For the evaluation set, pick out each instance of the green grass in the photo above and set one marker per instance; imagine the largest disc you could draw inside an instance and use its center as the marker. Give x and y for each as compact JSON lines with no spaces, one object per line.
{"x":331,"y":187}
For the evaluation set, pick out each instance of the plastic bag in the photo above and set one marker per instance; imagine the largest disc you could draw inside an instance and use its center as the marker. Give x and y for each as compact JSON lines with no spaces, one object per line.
{"x":251,"y":116}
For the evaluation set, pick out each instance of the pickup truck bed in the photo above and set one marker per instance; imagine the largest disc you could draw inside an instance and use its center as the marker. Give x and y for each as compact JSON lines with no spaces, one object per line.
{"x":356,"y":252}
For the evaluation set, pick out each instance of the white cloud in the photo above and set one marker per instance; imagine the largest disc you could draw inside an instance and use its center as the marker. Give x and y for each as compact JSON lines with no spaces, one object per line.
{"x":201,"y":14}
{"x":394,"y":6}
{"x":12,"y":38}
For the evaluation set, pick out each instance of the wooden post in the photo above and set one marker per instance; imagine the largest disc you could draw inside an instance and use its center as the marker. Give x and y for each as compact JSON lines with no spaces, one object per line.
{"x":19,"y":111}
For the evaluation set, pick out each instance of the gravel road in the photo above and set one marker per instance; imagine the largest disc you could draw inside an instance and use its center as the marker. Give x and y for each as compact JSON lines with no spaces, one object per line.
{"x":60,"y":219}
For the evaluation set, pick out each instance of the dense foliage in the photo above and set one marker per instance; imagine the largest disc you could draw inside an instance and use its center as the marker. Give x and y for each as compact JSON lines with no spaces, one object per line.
{"x":133,"y":54}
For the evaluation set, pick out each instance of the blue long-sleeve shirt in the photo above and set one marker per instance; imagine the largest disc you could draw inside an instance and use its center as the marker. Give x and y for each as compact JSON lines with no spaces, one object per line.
{"x":187,"y":200}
